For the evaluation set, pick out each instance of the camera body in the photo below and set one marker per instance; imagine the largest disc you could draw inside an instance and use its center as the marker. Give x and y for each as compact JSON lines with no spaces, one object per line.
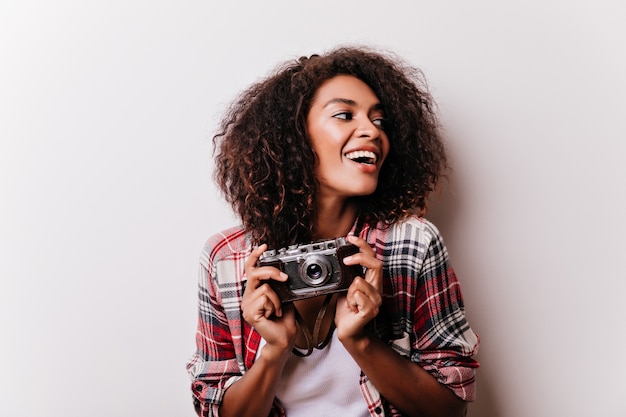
{"x":314,"y":269}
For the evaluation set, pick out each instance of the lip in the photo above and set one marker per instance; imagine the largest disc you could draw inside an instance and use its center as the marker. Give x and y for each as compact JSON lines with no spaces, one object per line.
{"x":367,"y":169}
{"x":368,"y":148}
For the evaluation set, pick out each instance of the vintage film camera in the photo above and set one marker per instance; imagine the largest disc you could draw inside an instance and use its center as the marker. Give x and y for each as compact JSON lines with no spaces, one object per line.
{"x":314,"y":269}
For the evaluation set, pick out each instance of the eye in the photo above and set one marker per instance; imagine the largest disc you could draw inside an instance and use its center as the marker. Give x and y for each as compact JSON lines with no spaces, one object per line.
{"x":379,"y":121}
{"x":345,"y":115}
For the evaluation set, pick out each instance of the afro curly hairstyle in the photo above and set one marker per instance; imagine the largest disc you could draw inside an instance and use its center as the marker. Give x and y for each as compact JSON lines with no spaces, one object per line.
{"x":265,"y":165}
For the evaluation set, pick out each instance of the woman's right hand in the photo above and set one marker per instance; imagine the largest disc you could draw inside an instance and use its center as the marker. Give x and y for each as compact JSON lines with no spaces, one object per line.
{"x":262,"y":308}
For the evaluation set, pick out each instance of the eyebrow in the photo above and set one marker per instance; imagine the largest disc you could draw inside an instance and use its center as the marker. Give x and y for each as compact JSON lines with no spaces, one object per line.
{"x":349,"y":102}
{"x":340,"y":100}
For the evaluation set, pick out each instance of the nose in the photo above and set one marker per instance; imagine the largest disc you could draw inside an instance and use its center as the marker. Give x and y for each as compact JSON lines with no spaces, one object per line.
{"x":367,"y":129}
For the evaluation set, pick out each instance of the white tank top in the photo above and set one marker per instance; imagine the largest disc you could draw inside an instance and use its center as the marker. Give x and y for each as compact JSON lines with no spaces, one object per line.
{"x":323,"y":384}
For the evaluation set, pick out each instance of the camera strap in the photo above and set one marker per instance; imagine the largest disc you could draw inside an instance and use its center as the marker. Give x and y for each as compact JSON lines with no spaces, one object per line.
{"x":312,"y":339}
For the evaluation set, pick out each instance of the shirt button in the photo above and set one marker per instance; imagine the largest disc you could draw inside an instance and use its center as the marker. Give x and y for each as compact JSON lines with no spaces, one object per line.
{"x":378,"y":410}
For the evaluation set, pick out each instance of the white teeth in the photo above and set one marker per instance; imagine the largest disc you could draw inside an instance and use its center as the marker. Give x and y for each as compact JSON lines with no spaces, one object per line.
{"x":369,"y":156}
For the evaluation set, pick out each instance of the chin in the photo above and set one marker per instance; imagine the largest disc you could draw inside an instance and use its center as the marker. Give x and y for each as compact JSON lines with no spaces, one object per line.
{"x":365,"y":192}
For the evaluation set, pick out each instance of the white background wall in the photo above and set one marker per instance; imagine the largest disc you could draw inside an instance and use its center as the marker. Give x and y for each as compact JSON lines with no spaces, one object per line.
{"x":106,"y":114}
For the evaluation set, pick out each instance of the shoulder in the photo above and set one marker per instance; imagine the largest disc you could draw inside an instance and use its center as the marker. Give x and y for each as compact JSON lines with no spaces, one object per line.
{"x":413,"y":229}
{"x":229,"y":244}
{"x":421,"y":225}
{"x":413,"y":240}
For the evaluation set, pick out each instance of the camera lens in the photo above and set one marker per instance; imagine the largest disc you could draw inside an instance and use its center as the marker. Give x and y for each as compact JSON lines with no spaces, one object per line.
{"x":314,"y":271}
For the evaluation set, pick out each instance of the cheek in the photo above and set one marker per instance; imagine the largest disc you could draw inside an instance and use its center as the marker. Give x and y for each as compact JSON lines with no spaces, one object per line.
{"x":327,"y":141}
{"x":327,"y":157}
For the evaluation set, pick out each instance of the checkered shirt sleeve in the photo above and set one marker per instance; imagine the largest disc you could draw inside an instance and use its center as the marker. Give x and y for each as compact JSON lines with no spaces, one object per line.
{"x":221,"y":353}
{"x":422,"y":297}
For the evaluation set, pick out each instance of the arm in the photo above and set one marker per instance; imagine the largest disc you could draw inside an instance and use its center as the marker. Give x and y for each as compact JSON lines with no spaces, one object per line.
{"x":438,"y":341}
{"x":405,"y":384}
{"x":253,"y":394}
{"x":221,"y":336}
{"x":214,"y":365}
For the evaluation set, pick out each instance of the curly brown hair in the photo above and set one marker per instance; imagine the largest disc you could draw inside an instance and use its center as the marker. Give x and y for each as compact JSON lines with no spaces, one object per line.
{"x":265,"y":165}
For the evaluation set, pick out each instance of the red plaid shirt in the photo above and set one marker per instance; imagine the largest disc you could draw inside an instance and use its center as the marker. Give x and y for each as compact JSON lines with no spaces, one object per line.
{"x":422,"y":316}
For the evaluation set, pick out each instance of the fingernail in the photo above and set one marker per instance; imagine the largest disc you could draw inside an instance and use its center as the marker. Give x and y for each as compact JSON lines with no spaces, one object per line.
{"x":347,"y":259}
{"x":283,"y":275}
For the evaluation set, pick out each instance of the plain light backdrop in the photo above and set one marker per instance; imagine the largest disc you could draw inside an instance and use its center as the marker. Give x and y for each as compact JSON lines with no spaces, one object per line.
{"x":107,"y":109}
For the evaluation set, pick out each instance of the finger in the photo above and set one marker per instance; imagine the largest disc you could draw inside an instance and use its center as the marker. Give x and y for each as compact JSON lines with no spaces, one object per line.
{"x":253,"y":277}
{"x":256,"y":274}
{"x":374,"y":277}
{"x":254,"y":255}
{"x":269,"y":308}
{"x":266,"y":273}
{"x":365,"y":305}
{"x":261,"y":305}
{"x":262,"y":308}
{"x":354,"y":302}
{"x":360,"y":285}
{"x":367,"y":260}
{"x":259,"y":276}
{"x":363,"y":246}
{"x":373,"y":268}
{"x":366,"y":255}
{"x":252,"y":295}
{"x":351,"y":302}
{"x":271,"y":298}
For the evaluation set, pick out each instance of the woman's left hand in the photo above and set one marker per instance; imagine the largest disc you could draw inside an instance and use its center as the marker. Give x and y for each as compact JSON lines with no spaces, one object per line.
{"x":362,"y":301}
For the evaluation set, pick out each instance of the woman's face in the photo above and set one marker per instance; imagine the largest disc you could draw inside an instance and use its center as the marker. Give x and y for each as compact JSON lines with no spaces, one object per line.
{"x":346,"y":128}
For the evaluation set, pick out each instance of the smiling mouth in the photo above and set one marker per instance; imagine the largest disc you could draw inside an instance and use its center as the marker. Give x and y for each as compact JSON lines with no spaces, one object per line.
{"x":362,"y":157}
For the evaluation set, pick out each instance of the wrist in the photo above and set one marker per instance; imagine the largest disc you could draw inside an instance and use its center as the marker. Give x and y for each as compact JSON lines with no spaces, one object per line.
{"x":358,"y":343}
{"x":275,"y":353}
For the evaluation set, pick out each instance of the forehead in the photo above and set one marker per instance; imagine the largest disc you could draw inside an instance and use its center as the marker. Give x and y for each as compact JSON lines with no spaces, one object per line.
{"x":345,"y":87}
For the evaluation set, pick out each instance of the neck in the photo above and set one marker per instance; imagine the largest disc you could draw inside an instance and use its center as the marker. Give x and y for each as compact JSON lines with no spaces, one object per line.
{"x":334,"y":219}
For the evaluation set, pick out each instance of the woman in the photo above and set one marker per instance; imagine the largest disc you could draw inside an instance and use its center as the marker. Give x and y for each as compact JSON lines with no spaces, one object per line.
{"x":341,"y":145}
